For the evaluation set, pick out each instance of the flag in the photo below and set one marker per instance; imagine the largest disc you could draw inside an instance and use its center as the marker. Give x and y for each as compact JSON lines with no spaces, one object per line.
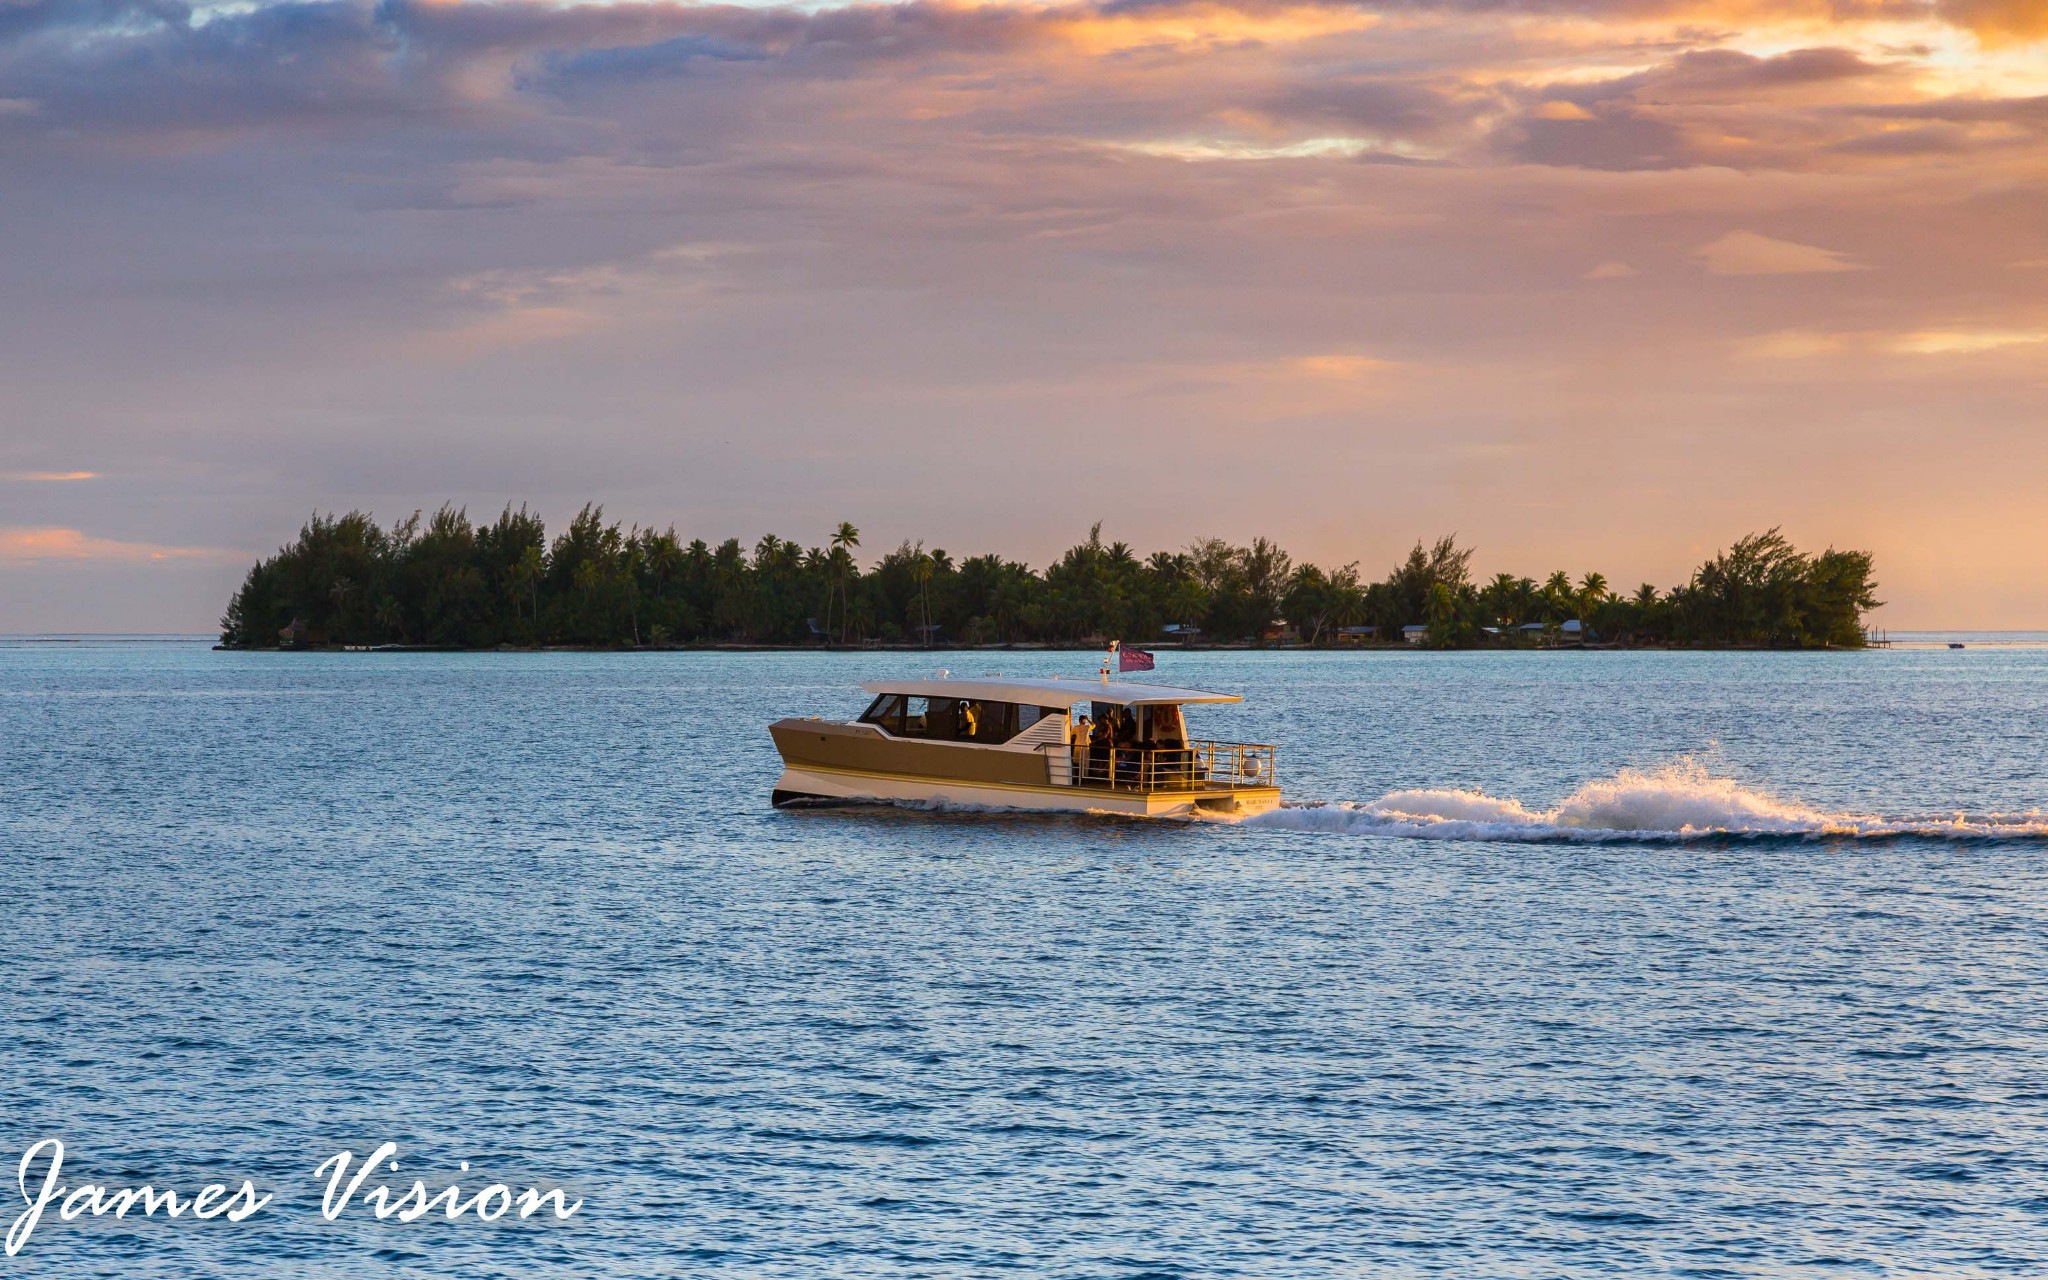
{"x":1133,"y":660}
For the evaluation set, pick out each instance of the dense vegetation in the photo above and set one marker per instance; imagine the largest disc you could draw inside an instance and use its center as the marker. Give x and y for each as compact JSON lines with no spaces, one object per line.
{"x":446,"y":581}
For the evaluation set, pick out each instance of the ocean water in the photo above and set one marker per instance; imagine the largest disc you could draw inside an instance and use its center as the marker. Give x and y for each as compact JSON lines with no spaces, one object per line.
{"x":1558,"y":964}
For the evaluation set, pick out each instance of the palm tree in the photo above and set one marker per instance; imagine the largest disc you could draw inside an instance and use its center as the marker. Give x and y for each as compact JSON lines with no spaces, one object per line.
{"x":921,"y":566}
{"x":816,"y":566}
{"x":1500,"y":598}
{"x":1591,"y":595}
{"x":1557,"y":596}
{"x":844,"y":539}
{"x":530,"y":569}
{"x":340,"y":593}
{"x":664,"y":558}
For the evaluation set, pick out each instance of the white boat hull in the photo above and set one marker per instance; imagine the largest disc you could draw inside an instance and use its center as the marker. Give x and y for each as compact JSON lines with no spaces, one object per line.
{"x":799,"y":784}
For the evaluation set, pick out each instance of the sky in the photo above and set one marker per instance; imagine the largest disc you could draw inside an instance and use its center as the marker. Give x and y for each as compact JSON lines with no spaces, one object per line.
{"x":1597,"y":286}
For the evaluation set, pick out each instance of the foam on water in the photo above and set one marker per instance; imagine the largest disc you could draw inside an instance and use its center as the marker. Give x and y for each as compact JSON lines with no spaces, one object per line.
{"x":1679,"y":801}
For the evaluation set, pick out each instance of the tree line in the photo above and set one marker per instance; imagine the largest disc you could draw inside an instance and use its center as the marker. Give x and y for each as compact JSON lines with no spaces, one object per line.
{"x":446,"y":581}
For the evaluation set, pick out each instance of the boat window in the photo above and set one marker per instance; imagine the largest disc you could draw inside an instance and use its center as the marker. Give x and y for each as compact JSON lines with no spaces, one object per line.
{"x":973,"y":720}
{"x":886,"y":711}
{"x":934,"y":718}
{"x":988,"y":723}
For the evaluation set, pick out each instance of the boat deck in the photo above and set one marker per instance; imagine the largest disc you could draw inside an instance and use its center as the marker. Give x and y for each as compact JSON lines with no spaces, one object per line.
{"x":1199,"y":766}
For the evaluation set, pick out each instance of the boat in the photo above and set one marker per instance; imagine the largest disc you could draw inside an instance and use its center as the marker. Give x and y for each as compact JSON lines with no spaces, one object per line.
{"x":1955,"y":644}
{"x":1058,"y":744}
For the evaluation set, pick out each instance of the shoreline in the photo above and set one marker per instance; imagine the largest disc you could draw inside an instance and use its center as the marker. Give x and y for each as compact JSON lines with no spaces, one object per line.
{"x":736,"y":647}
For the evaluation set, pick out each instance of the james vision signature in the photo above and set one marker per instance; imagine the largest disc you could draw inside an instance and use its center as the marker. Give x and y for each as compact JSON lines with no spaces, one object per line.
{"x":348,"y":1181}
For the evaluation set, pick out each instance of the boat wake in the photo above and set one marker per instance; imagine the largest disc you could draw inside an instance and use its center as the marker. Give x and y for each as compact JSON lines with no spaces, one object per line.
{"x":1679,"y":801}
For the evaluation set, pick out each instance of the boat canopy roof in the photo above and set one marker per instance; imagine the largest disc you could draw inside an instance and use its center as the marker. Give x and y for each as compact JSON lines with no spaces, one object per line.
{"x":1048,"y":692}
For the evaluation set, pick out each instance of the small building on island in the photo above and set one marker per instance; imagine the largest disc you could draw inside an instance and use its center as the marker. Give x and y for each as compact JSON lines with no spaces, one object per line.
{"x":1571,"y":631}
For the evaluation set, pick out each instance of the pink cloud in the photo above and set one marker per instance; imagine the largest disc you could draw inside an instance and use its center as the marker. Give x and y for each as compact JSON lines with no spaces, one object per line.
{"x":27,"y":546}
{"x":1746,"y":253}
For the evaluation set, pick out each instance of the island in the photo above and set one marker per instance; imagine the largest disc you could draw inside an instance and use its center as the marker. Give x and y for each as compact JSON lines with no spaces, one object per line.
{"x":446,"y":582}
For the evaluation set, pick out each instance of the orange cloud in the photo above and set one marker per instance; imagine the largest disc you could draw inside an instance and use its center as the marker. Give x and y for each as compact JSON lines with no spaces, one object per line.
{"x":1949,"y":342}
{"x":1194,"y":26}
{"x":40,"y":477}
{"x":1801,"y":344}
{"x":28,"y":546}
{"x":1745,"y":253}
{"x":2000,"y":20}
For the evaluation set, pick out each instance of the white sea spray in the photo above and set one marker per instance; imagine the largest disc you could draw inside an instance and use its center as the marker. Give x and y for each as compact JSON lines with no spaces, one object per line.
{"x":1680,"y":800}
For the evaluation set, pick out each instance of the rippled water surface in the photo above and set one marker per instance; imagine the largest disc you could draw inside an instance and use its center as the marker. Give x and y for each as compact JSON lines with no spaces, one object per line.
{"x":1566,"y":964}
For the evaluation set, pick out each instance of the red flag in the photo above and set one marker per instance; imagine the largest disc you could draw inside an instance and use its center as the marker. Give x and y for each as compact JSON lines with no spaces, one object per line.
{"x":1133,"y":660}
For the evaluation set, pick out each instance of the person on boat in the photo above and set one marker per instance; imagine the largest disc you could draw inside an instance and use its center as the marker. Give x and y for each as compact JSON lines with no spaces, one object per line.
{"x":1124,"y":738}
{"x":1102,"y":745}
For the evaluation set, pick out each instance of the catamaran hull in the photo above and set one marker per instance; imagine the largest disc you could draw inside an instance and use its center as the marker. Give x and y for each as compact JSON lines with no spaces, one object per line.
{"x":812,"y":785}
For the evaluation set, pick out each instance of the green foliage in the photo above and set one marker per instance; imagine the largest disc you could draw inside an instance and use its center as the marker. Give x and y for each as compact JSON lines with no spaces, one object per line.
{"x":448,"y":582}
{"x":1763,"y":591}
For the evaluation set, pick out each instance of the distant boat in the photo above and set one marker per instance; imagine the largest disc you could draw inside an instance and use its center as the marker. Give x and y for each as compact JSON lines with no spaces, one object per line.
{"x":1955,"y":644}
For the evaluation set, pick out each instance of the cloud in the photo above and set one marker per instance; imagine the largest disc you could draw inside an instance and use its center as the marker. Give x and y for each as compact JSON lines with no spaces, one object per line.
{"x":1746,"y":253}
{"x":1198,"y":149}
{"x":25,"y":546}
{"x":1795,"y":344}
{"x":1619,"y":137}
{"x":496,"y":309}
{"x":1944,"y":342}
{"x":2000,"y":20}
{"x":1726,"y":71}
{"x":47,"y":477}
{"x":1610,"y":271}
{"x":1644,"y":86}
{"x":1341,"y":366}
{"x":1933,"y":139}
{"x":1804,"y":344}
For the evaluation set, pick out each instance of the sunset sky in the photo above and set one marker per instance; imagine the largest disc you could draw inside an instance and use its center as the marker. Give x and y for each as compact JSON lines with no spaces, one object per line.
{"x":1595,"y":285}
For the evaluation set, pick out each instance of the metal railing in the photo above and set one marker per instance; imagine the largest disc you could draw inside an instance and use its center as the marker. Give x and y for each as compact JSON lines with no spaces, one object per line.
{"x":1199,"y":766}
